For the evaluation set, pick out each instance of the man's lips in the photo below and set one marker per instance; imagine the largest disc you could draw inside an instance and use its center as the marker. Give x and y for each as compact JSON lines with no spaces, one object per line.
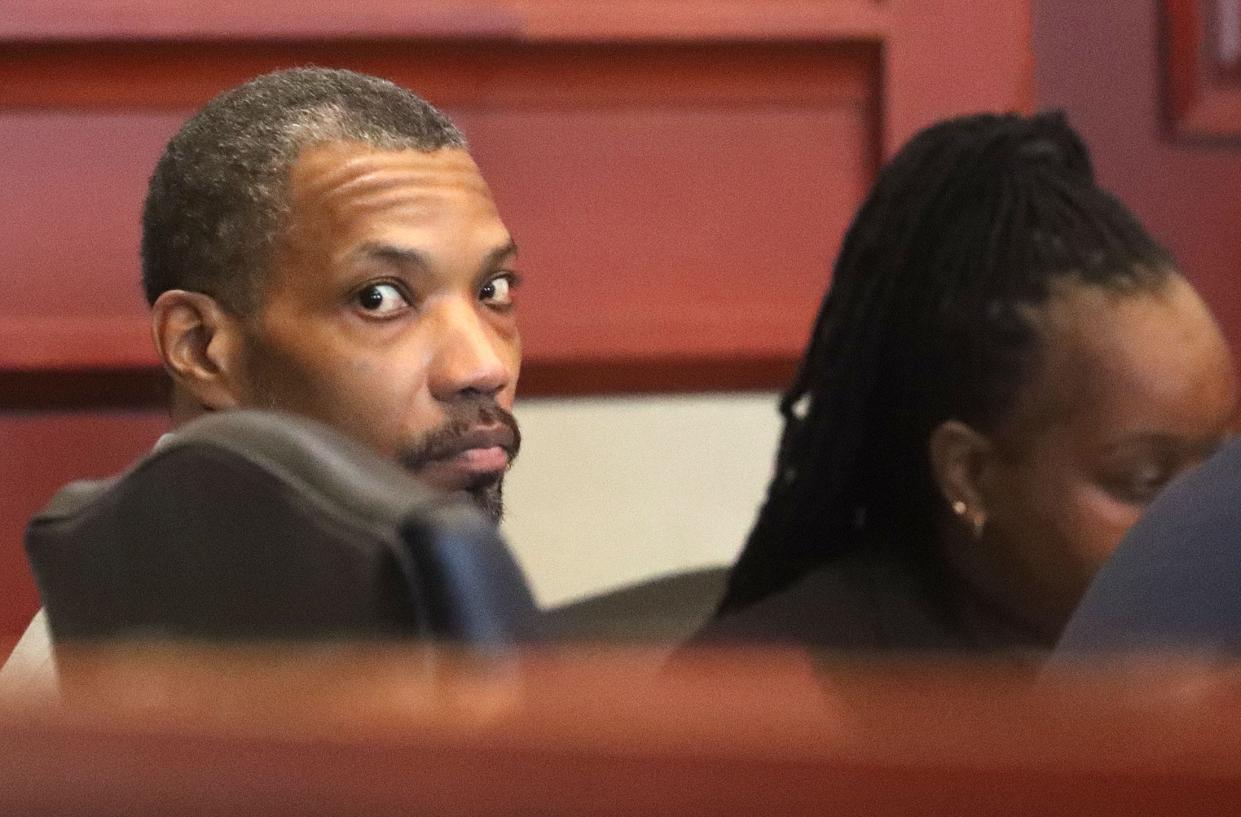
{"x":479,"y":456}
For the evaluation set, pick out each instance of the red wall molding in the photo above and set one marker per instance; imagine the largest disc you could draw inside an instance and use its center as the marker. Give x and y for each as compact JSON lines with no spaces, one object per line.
{"x":57,"y":343}
{"x":1202,"y":83}
{"x":171,"y":75}
{"x":532,"y":20}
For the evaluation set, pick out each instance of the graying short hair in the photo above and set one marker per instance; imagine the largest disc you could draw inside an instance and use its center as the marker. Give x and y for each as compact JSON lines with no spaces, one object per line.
{"x":217,"y":200}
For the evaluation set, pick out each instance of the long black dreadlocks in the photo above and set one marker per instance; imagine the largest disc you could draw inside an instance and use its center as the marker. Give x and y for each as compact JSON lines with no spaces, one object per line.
{"x":927,"y":319}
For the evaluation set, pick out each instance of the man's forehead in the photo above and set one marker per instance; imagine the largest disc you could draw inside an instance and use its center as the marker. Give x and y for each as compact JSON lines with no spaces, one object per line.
{"x":351,"y":201}
{"x":356,"y":166}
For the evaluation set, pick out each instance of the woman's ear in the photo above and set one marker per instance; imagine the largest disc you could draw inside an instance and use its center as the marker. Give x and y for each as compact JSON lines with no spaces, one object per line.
{"x":200,"y":345}
{"x":959,"y":457}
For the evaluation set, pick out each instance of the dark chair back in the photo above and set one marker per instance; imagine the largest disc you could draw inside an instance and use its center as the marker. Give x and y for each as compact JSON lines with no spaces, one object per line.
{"x":253,"y":526}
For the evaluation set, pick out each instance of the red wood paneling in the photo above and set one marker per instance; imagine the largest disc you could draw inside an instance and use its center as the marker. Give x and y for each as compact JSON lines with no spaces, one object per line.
{"x":952,"y":57}
{"x":183,"y":76}
{"x":543,"y":20}
{"x":731,"y":270}
{"x":704,"y":188}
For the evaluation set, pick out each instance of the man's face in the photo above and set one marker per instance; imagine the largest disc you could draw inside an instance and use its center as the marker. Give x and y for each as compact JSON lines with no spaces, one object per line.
{"x":389,"y":313}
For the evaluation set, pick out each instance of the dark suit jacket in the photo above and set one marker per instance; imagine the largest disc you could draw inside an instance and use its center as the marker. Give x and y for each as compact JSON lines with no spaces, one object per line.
{"x":874,"y":599}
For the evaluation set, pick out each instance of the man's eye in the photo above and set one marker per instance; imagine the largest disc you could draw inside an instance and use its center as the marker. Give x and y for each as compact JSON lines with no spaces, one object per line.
{"x":498,"y":291}
{"x":382,"y":299}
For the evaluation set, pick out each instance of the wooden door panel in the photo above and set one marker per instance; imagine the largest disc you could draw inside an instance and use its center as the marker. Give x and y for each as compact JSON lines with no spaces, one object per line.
{"x":70,"y":211}
{"x":714,"y":241}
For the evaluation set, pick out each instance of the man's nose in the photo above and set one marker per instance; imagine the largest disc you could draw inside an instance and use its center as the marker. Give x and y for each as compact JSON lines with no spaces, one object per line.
{"x":468,"y":357}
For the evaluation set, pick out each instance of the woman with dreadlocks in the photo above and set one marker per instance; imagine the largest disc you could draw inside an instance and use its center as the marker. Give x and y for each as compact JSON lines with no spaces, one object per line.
{"x":1004,"y":372}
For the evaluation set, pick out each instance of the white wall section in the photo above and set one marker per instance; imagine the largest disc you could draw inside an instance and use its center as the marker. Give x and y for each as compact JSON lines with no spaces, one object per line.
{"x":608,"y":491}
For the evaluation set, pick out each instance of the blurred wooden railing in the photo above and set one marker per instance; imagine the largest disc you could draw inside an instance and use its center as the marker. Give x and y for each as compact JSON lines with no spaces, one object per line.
{"x":364,"y":731}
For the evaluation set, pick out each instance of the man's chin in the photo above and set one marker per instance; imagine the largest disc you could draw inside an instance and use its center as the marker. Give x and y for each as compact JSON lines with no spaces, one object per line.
{"x":489,"y":499}
{"x":486,"y":493}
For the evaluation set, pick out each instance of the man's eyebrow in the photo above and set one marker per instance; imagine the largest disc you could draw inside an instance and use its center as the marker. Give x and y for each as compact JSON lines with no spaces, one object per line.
{"x":409,"y":255}
{"x":499,"y":253}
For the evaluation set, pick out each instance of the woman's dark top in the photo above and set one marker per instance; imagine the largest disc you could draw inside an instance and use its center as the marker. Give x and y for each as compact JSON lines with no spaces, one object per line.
{"x":875,"y":600}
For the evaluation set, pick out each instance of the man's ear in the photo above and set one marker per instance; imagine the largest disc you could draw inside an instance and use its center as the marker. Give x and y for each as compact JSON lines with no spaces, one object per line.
{"x":200,"y":344}
{"x":959,"y":458}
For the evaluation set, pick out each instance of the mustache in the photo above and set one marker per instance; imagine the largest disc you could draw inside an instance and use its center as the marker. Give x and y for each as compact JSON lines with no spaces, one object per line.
{"x":460,"y":431}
